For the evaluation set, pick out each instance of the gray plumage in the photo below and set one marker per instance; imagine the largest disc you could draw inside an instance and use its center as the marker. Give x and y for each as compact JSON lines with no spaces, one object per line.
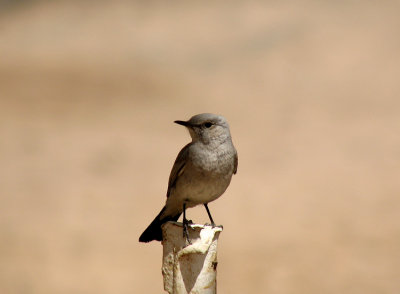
{"x":202,"y":170}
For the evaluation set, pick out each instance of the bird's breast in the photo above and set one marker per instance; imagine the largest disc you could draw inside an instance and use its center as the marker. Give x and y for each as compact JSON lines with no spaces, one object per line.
{"x":206,"y":176}
{"x":215,"y":162}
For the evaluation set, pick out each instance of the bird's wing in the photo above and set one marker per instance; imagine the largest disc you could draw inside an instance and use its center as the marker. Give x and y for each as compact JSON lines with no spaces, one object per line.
{"x":235,"y":164}
{"x":178,"y":168}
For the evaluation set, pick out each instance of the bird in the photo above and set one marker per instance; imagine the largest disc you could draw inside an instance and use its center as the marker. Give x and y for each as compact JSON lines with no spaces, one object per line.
{"x":201,"y":172}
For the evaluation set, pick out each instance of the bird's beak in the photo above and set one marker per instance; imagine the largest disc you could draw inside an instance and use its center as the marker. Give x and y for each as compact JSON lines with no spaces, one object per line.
{"x":183,"y":123}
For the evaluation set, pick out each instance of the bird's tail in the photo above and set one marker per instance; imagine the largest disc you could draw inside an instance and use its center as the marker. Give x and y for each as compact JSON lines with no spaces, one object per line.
{"x":153,"y":231}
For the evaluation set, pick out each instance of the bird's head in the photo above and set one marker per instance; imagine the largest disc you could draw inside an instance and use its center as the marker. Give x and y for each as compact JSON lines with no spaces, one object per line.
{"x":207,"y":128}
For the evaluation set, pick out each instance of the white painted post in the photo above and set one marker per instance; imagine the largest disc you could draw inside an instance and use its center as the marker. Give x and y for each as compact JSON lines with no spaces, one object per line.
{"x":190,"y":268}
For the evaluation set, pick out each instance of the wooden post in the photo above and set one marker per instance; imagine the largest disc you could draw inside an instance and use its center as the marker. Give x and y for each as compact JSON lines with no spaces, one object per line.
{"x":190,"y":268}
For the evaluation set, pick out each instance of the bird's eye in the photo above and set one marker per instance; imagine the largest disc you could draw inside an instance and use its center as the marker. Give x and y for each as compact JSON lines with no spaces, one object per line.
{"x":208,"y":125}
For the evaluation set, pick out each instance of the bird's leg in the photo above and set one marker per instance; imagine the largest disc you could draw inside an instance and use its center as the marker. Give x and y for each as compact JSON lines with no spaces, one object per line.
{"x":185,"y":224}
{"x":209,"y":214}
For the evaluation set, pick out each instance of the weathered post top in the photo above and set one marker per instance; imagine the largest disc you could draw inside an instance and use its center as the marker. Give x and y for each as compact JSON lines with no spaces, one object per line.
{"x":190,"y":268}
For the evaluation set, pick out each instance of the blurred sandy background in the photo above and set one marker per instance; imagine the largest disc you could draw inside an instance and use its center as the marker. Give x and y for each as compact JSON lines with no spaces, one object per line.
{"x":89,"y":91}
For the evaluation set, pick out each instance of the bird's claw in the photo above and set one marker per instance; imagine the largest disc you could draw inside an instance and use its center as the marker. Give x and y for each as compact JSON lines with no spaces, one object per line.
{"x":186,"y":224}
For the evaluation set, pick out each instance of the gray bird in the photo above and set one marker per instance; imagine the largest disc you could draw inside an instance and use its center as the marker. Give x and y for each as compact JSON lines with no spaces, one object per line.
{"x":201,"y":172}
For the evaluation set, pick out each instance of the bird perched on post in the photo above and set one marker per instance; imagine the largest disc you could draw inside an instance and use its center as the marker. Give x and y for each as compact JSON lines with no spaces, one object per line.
{"x":201,"y":172}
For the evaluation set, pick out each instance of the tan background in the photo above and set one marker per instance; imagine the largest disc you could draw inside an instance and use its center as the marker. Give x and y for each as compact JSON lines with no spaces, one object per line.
{"x":88,"y":94}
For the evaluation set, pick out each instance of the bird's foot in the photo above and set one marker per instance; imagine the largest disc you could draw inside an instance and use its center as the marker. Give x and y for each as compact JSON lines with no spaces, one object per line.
{"x":186,"y":224}
{"x":213,"y":225}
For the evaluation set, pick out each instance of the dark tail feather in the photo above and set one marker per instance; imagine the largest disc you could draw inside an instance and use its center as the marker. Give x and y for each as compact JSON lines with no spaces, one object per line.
{"x":153,"y":231}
